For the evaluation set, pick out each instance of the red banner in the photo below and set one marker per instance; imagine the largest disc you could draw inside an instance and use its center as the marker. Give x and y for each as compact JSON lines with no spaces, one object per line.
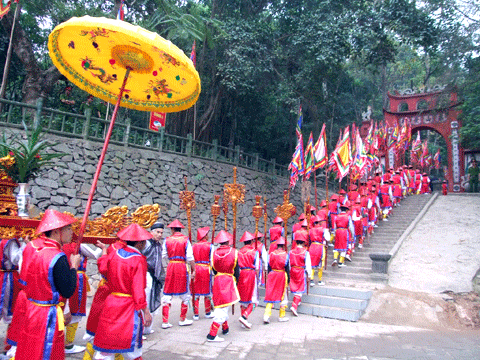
{"x":157,"y":120}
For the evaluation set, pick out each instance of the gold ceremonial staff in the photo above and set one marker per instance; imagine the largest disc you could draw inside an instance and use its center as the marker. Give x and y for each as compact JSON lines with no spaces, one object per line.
{"x":215,"y":212}
{"x":265,"y":219}
{"x":187,"y":202}
{"x":286,"y":211}
{"x":257,"y":214}
{"x":234,"y":194}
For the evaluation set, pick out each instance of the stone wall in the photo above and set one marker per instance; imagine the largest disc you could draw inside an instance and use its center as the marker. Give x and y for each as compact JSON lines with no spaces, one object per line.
{"x":134,"y":177}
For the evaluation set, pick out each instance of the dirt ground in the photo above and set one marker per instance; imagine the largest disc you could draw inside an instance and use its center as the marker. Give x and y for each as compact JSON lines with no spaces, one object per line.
{"x":391,"y":306}
{"x":430,"y":278}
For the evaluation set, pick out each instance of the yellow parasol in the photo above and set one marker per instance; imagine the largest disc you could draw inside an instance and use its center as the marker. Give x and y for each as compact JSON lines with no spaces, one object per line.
{"x":96,"y":53}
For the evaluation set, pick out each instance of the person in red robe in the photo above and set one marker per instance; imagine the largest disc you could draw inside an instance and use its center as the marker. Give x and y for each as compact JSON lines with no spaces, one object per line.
{"x":300,"y":270}
{"x":344,"y":231}
{"x":202,"y":285}
{"x":319,"y":235}
{"x":178,"y":250}
{"x":49,"y":281}
{"x":98,"y":303}
{"x":126,"y":311}
{"x":225,"y":293}
{"x":14,"y":330}
{"x":275,"y":232}
{"x":77,"y":303}
{"x":444,"y":187}
{"x":249,"y":264}
{"x":277,"y":281}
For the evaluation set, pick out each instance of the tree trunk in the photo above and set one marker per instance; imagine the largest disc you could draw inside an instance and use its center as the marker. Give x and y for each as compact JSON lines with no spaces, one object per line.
{"x":37,"y":82}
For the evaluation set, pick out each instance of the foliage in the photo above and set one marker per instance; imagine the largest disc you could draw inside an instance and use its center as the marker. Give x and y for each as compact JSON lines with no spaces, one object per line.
{"x":470,"y":131}
{"x":26,"y":157}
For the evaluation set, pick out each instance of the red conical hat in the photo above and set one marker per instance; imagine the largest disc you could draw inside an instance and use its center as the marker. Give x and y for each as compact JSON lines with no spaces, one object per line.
{"x":301,"y":217}
{"x":202,"y":232}
{"x":334,"y":197}
{"x":312,"y":208}
{"x":176,"y":224}
{"x":300,"y":235}
{"x":280,"y":241}
{"x":54,"y":219}
{"x":247,"y":236}
{"x":323,"y":203}
{"x":343,"y":192}
{"x":304,"y":223}
{"x":134,"y":232}
{"x":259,"y":235}
{"x":277,"y":220}
{"x":223,"y":237}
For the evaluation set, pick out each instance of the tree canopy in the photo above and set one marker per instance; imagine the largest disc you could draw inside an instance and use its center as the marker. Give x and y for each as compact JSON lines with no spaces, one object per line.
{"x":259,"y":60}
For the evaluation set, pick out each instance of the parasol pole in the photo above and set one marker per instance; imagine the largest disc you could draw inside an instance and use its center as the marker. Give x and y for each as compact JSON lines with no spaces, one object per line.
{"x":9,"y":54}
{"x":265,"y":219}
{"x":83,"y":225}
{"x":315,"y":186}
{"x":215,"y":212}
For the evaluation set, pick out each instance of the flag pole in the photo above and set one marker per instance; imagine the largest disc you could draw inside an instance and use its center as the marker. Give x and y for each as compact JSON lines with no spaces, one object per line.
{"x":9,"y":54}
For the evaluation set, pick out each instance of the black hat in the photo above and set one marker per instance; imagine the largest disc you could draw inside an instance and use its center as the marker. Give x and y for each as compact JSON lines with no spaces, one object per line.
{"x":157,"y":225}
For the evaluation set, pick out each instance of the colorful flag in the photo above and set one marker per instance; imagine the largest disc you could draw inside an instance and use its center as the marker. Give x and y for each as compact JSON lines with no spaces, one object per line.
{"x":309,"y":158}
{"x":297,"y":166}
{"x":437,"y":159}
{"x":320,"y":150}
{"x":121,"y":12}
{"x":298,"y":129}
{"x":342,"y":155}
{"x":193,"y":54}
{"x":5,"y":7}
{"x":393,"y":138}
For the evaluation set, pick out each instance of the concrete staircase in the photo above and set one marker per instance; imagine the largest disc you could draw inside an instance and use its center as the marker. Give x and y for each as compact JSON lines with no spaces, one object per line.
{"x":349,"y":289}
{"x":331,"y":302}
{"x":383,"y":240}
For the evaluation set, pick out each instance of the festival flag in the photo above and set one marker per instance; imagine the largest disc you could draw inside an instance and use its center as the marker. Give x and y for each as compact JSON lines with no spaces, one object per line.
{"x":393,"y":138}
{"x":320,"y":150}
{"x":193,"y":54}
{"x":309,"y":158}
{"x":437,"y":159}
{"x":157,"y":120}
{"x":121,"y":12}
{"x":297,"y":166}
{"x":342,"y":156}
{"x":5,"y":7}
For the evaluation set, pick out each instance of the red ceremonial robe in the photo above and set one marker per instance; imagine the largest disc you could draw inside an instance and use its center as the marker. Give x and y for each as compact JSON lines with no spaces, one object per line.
{"x":342,"y":233}
{"x":298,"y":275}
{"x":277,"y":277}
{"x":316,"y":246}
{"x":384,"y":193}
{"x":225,"y":291}
{"x":201,"y":285}
{"x":275,"y":232}
{"x":16,"y":326}
{"x":100,"y":296}
{"x":247,"y":281}
{"x":78,"y":301}
{"x":42,"y":335}
{"x":120,"y":325}
{"x":176,"y":278}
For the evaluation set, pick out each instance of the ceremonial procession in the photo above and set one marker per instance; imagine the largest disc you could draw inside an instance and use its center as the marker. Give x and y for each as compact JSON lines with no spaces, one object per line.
{"x":140,"y":218}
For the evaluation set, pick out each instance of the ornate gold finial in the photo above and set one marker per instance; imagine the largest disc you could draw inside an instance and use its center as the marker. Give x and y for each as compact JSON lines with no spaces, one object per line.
{"x":286,"y":211}
{"x":187,"y":202}
{"x":215,"y":212}
{"x":234,"y":194}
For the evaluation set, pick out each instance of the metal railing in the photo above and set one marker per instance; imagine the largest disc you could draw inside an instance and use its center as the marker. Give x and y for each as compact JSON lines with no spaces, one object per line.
{"x":93,"y":128}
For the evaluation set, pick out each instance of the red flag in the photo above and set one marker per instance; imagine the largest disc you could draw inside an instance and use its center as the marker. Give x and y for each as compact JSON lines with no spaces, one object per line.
{"x":193,"y":54}
{"x":121,"y":12}
{"x":157,"y":120}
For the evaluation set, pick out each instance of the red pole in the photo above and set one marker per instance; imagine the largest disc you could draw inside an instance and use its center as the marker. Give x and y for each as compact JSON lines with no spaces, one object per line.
{"x":83,"y":225}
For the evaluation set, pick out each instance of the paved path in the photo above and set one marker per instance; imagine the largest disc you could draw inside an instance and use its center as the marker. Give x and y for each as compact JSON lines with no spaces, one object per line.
{"x":307,"y":337}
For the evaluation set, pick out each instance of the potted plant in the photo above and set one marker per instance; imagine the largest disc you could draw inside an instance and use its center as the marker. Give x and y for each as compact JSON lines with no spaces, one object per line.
{"x":23,"y":159}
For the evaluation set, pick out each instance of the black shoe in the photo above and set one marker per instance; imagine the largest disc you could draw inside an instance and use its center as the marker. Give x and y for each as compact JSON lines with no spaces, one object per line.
{"x":225,"y":332}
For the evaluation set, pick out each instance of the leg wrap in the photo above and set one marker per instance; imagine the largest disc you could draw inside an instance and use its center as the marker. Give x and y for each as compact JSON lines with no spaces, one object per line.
{"x":208,"y":305}
{"x":165,"y":312}
{"x":214,"y":329}
{"x":195,"y":302}
{"x":183,"y":311}
{"x":282,"y":311}
{"x":248,"y":310}
{"x":296,"y":301}
{"x":268,"y":309}
{"x":71,"y":331}
{"x":88,"y":355}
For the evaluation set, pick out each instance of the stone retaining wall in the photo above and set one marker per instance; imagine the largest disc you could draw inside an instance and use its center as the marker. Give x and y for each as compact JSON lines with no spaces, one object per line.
{"x":134,"y":177}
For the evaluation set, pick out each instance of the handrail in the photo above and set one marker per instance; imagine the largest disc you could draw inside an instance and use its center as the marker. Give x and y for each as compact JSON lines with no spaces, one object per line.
{"x":93,"y":128}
